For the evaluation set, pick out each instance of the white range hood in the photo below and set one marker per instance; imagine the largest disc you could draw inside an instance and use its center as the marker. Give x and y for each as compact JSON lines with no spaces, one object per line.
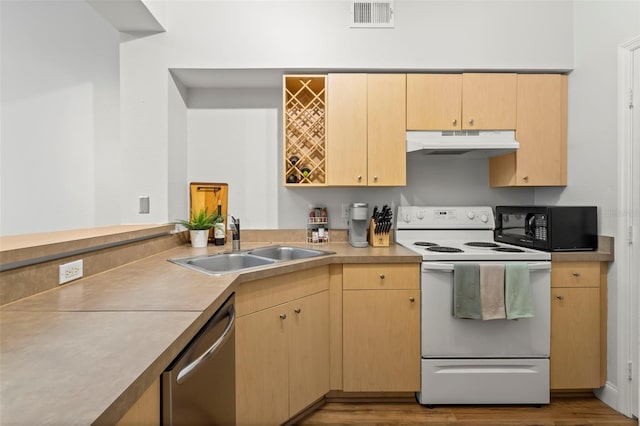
{"x":464,"y":144}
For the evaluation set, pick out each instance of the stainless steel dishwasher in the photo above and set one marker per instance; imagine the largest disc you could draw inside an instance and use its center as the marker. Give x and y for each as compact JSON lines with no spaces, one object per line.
{"x":199,"y":387}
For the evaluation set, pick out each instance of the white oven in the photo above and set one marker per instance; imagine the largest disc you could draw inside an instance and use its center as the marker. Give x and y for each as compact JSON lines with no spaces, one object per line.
{"x":467,"y":361}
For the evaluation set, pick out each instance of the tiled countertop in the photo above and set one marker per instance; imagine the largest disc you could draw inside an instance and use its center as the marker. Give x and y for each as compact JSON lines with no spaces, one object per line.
{"x":83,"y":353}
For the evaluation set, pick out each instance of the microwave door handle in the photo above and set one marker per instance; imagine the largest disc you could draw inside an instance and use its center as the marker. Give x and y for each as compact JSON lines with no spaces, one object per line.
{"x":530,"y":225}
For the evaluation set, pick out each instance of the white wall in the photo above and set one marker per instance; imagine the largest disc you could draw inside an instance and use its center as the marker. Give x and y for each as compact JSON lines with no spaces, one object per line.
{"x":238,"y":145}
{"x":178,"y":134}
{"x":60,"y":139}
{"x":315,"y":34}
{"x":593,"y":130}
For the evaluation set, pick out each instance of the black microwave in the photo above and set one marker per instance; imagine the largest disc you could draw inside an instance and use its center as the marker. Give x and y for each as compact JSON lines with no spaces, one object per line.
{"x":548,"y":228}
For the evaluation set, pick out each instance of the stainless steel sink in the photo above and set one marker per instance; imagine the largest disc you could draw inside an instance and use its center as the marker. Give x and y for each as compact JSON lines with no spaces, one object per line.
{"x":287,"y":252}
{"x":226,"y":263}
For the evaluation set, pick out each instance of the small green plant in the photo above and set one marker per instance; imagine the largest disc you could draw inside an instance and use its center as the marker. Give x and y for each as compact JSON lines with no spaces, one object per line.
{"x":200,"y":220}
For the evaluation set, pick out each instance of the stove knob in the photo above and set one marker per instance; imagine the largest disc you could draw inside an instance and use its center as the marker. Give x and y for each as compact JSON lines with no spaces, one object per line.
{"x":484,"y":218}
{"x":406,"y":217}
{"x":470,"y":215}
{"x":420,"y":214}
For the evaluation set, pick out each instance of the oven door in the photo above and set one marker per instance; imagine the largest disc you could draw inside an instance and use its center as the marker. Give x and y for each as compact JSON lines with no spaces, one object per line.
{"x":444,"y":336}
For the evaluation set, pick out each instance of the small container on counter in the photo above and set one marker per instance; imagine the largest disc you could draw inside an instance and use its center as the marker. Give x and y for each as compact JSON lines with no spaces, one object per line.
{"x":317,"y":225}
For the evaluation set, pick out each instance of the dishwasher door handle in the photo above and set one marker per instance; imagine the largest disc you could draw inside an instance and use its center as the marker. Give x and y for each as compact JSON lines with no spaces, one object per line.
{"x":193,"y":366}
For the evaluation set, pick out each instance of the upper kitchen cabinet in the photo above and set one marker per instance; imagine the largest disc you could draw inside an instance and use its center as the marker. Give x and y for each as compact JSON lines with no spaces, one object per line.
{"x":489,"y":101}
{"x":304,"y":124}
{"x":434,"y":101}
{"x":470,"y":101}
{"x":366,"y":136}
{"x":386,"y":124}
{"x":347,"y":133}
{"x":541,"y":130}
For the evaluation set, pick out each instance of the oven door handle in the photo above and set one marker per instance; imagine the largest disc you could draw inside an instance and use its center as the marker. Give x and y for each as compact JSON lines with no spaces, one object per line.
{"x":441,"y":267}
{"x":448,"y":267}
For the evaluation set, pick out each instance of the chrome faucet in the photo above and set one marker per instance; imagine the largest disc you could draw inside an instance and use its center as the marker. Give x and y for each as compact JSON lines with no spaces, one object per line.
{"x":235,"y":230}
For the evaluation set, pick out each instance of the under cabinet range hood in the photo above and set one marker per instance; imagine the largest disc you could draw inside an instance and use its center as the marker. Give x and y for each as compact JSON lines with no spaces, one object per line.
{"x":463,"y":144}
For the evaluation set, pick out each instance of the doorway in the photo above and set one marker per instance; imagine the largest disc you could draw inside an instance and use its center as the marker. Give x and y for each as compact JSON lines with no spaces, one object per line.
{"x":628,"y":250}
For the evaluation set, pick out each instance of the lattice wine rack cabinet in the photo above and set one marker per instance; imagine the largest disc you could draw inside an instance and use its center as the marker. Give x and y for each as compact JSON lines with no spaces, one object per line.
{"x":304,"y":116}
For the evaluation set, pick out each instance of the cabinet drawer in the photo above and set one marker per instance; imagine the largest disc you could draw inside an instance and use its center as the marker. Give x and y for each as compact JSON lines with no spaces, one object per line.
{"x":267,"y":292}
{"x":575,"y":274}
{"x":381,"y":276}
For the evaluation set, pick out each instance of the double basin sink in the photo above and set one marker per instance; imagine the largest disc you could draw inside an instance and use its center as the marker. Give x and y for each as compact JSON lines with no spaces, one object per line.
{"x":226,"y":263}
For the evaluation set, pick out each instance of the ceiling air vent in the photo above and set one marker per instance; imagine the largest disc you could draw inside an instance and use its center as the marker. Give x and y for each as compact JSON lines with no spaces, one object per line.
{"x":372,"y":14}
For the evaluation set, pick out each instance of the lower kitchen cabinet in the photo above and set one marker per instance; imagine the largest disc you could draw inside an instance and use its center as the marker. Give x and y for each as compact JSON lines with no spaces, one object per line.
{"x":146,"y":410}
{"x":282,"y":350}
{"x":578,"y":325}
{"x":381,"y":328}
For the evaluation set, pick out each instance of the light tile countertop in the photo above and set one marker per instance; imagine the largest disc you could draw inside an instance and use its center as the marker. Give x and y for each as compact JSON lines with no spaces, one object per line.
{"x":85,"y":352}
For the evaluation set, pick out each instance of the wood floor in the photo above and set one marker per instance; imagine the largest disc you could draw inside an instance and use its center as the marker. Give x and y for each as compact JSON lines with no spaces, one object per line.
{"x":561,"y":411}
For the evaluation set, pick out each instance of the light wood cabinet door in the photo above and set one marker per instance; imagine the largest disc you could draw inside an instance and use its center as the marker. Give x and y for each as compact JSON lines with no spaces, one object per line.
{"x":470,"y":101}
{"x":366,"y":130}
{"x":541,"y":130}
{"x":262,"y":378}
{"x":381,"y":340}
{"x":489,"y":101}
{"x":575,"y":338}
{"x":282,"y":345}
{"x":387,"y":152}
{"x":308,"y":329}
{"x":347,"y":130}
{"x":434,"y":101}
{"x":146,"y":410}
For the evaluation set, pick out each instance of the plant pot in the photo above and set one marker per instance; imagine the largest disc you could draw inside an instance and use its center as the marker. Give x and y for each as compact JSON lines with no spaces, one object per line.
{"x":199,"y":238}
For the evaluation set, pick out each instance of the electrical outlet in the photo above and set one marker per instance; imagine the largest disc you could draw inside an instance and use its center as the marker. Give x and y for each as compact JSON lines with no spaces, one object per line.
{"x":143,"y":204}
{"x":70,"y":271}
{"x":345,"y":211}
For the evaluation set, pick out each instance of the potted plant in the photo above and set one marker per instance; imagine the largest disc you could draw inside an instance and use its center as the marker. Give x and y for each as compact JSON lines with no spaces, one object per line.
{"x":199,"y":225}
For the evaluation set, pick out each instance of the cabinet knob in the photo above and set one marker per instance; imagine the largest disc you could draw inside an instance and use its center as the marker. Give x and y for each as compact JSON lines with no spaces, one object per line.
{"x":471,"y":122}
{"x":412,"y":299}
{"x":283,"y":316}
{"x":575,"y":274}
{"x":375,"y":178}
{"x":560,"y":297}
{"x":454,"y":122}
{"x":297,"y":310}
{"x":382,"y":276}
{"x":359,"y":178}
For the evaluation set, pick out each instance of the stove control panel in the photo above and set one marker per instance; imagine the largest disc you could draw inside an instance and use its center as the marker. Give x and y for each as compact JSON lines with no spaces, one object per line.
{"x":417,"y":217}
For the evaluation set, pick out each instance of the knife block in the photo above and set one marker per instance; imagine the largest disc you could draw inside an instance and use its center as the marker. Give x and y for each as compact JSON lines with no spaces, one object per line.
{"x":377,"y":240}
